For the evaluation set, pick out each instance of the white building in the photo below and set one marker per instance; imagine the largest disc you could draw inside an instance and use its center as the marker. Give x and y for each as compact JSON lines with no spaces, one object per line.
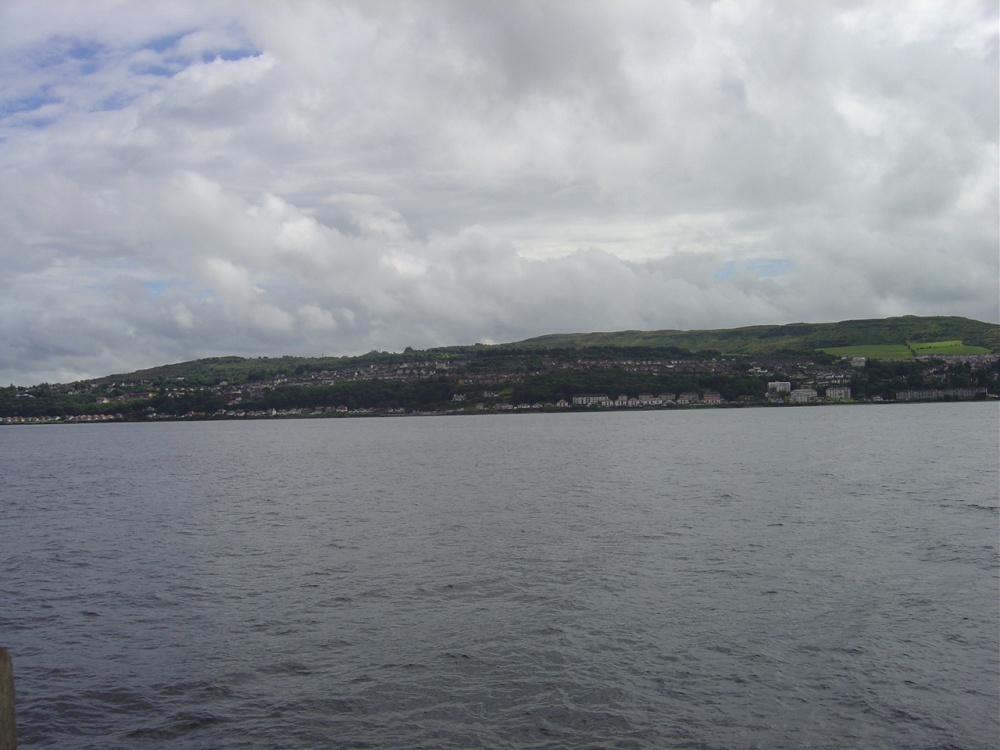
{"x":779,"y":386}
{"x":803,"y":395}
{"x":590,"y":399}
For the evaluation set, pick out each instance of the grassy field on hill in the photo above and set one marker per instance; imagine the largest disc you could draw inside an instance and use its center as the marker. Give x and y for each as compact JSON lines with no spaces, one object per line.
{"x":906,"y":351}
{"x":872,"y":351}
{"x":945,"y":347}
{"x":886,"y":338}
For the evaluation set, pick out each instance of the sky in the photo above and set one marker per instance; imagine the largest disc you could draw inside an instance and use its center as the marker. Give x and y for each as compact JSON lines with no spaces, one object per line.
{"x":187,"y":179}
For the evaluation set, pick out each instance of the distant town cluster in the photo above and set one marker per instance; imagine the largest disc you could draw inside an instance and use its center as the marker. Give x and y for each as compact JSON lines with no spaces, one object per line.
{"x":506,"y":380}
{"x":778,"y":392}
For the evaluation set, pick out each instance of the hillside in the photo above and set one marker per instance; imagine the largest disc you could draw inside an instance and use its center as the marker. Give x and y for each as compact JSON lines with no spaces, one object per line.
{"x":670,"y":368}
{"x":795,"y":337}
{"x":897,"y":336}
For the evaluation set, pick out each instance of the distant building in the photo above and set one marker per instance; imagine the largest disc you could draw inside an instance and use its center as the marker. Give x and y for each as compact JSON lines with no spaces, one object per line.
{"x":838,"y":393}
{"x":779,"y":386}
{"x":591,"y":399}
{"x":803,"y":395}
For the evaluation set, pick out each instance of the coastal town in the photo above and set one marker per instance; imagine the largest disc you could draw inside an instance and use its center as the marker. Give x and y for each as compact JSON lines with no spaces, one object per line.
{"x":508,"y":381}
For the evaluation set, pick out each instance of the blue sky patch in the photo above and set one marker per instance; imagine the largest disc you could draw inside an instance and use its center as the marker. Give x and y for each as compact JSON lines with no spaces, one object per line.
{"x":161,"y":71}
{"x":760,"y":268}
{"x":60,"y":50}
{"x":118,"y":100}
{"x":81,"y":50}
{"x":163,"y":43}
{"x":48,"y":56}
{"x":39,"y":122}
{"x":25,"y":104}
{"x":155,"y":287}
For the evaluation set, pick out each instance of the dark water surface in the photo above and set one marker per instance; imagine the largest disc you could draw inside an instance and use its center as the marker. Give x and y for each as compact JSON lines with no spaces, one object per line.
{"x":760,"y":578}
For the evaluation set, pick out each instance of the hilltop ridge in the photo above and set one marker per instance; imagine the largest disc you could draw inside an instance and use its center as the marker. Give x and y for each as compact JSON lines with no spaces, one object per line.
{"x":793,"y":339}
{"x":797,"y":337}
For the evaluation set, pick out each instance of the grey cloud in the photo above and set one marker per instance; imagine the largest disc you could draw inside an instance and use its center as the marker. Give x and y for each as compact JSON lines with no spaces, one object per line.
{"x":257,"y":178}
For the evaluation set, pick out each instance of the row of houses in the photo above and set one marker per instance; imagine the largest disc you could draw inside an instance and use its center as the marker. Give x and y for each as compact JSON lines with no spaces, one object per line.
{"x":934,"y":394}
{"x":777,"y":392}
{"x":71,"y":419}
{"x":646,"y":399}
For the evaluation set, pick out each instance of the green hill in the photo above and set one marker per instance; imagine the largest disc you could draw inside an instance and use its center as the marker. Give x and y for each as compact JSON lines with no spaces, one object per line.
{"x":239,"y":369}
{"x":958,"y":333}
{"x":889,"y":338}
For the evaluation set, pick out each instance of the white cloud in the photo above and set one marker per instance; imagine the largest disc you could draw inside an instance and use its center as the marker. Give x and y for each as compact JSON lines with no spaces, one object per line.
{"x":193,"y":179}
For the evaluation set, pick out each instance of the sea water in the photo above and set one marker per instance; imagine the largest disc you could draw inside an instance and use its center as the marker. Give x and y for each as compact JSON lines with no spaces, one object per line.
{"x":814,"y":577}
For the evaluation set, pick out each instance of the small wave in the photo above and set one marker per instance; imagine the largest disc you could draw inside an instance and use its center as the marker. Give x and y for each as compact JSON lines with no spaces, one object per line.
{"x":290,"y":667}
{"x":177,"y":726}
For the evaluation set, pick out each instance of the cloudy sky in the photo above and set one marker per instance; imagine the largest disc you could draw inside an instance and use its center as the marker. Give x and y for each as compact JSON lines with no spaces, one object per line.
{"x":184,"y":179}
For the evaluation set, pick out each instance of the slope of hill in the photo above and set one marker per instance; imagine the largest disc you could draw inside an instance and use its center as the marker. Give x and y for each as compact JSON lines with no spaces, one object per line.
{"x":889,"y":338}
{"x":550,"y":370}
{"x":795,"y":337}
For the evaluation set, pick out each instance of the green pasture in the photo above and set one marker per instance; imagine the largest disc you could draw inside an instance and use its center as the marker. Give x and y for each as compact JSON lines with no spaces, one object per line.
{"x":872,"y":351}
{"x":921,"y":348}
{"x":905,"y":351}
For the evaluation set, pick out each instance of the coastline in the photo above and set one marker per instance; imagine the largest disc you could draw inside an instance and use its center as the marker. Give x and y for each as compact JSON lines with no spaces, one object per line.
{"x":288,"y":414}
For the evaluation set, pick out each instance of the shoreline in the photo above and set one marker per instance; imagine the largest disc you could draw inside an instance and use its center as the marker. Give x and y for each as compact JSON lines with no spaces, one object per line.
{"x":518,"y":410}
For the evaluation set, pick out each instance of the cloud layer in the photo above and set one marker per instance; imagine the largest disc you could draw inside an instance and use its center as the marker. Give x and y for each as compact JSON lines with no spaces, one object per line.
{"x":192,"y":179}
